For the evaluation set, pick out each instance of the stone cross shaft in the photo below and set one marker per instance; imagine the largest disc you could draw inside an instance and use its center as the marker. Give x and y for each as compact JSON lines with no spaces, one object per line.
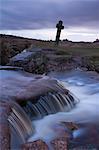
{"x":59,"y":27}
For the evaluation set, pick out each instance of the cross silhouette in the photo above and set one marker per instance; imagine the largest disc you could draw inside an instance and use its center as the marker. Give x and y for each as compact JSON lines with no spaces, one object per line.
{"x":59,"y":27}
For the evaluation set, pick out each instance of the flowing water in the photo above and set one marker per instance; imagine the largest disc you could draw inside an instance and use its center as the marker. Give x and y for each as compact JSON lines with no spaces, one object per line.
{"x":58,"y":99}
{"x":50,"y":103}
{"x":56,"y":107}
{"x":85,"y":86}
{"x":20,"y":121}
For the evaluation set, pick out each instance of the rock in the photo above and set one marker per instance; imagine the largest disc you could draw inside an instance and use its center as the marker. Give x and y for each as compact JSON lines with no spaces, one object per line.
{"x":4,"y":126}
{"x":65,"y":130}
{"x":33,"y":61}
{"x":62,"y":130}
{"x":39,"y":61}
{"x":36,"y":145}
{"x":70,"y":125}
{"x":18,"y":85}
{"x":11,"y":46}
{"x":21,"y":87}
{"x":91,"y":63}
{"x":59,"y":144}
{"x":87,"y":137}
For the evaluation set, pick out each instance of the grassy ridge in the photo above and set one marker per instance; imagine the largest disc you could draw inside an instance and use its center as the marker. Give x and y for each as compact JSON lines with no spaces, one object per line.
{"x":12,"y":45}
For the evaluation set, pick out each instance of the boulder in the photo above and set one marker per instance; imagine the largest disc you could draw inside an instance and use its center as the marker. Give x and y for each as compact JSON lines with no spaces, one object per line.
{"x":39,"y":61}
{"x":33,"y":61}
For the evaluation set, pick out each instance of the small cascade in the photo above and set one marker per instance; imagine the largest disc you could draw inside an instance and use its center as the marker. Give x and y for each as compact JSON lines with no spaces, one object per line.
{"x":20,"y":121}
{"x":49,"y":104}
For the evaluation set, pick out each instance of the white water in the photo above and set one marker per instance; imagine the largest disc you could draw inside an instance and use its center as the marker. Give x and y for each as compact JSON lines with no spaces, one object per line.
{"x":83,"y":85}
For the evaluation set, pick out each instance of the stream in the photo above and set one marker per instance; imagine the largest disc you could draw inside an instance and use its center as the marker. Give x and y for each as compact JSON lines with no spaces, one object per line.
{"x":85,"y":86}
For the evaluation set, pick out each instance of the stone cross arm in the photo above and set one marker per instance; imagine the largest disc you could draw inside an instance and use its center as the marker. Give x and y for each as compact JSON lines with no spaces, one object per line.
{"x":59,"y":25}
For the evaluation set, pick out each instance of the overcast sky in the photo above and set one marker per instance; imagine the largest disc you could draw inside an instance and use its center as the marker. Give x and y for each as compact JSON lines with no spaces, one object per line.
{"x":80,"y":17}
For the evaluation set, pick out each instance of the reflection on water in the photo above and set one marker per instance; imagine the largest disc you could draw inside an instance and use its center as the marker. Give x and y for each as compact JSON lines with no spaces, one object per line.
{"x":85,"y":86}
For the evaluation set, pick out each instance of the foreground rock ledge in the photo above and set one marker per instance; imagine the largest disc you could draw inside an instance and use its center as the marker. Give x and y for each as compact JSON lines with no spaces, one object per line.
{"x":57,"y":144}
{"x":36,"y":145}
{"x":18,"y":86}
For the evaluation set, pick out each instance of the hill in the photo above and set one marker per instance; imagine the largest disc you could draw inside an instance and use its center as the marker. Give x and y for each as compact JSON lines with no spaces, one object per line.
{"x":78,"y":54}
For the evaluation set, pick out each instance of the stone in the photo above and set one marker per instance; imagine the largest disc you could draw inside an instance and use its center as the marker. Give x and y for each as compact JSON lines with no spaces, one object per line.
{"x":70,"y":125}
{"x":59,"y":144}
{"x":33,"y":61}
{"x":42,"y":61}
{"x":4,"y":126}
{"x":59,"y":27}
{"x":63,"y":136}
{"x":18,"y":85}
{"x":36,"y":145}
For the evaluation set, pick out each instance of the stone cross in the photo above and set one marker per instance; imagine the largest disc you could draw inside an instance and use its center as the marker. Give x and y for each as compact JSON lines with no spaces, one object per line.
{"x":59,"y":27}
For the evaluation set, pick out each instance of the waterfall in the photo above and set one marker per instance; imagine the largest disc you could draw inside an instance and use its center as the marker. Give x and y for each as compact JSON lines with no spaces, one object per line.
{"x":50,"y":103}
{"x":19,"y":120}
{"x":31,"y":98}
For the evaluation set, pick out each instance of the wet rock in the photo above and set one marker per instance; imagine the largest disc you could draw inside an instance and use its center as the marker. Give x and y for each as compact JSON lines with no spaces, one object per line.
{"x":59,"y":143}
{"x":61,"y":130}
{"x":64,"y":130}
{"x":87,"y":137}
{"x":70,"y":125}
{"x":4,"y":127}
{"x":18,"y":85}
{"x":36,"y":145}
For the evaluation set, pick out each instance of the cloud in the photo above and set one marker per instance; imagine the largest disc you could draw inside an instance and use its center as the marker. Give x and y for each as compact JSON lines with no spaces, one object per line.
{"x":38,"y":14}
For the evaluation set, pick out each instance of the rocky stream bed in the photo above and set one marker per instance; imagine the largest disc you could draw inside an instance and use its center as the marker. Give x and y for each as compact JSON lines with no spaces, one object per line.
{"x":43,"y":61}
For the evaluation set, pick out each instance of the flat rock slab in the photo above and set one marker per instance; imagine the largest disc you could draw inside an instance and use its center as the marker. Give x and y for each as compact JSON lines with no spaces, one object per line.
{"x":23,"y":56}
{"x":32,"y":60}
{"x":20,"y":86}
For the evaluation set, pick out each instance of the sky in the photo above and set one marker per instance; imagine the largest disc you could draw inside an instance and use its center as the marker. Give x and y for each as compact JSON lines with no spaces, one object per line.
{"x":38,"y":18}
